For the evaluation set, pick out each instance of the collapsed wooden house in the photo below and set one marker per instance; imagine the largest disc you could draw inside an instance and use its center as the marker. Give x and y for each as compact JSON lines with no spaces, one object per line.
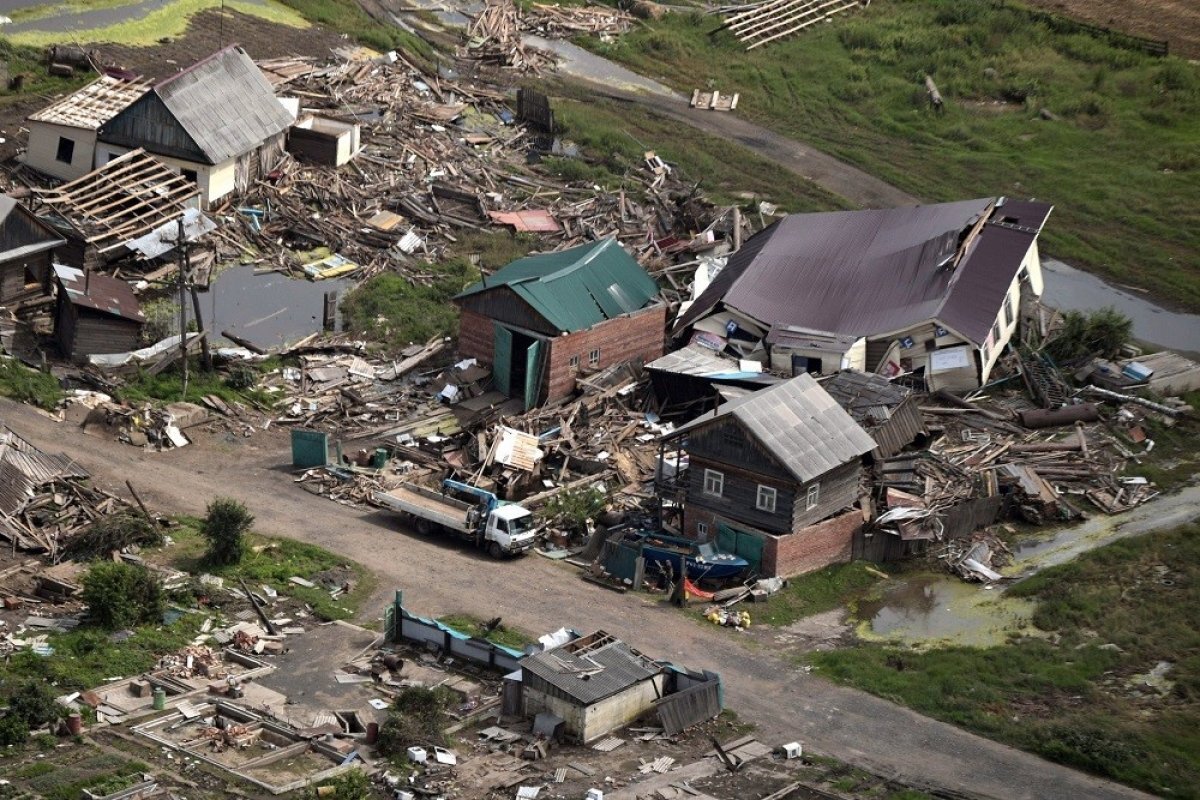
{"x":26,"y":247}
{"x":885,"y":410}
{"x":104,"y":212}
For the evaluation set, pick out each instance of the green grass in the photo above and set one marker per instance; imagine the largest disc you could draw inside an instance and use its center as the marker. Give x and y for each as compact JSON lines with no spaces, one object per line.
{"x":273,"y":561}
{"x":30,"y":62}
{"x":169,"y":21}
{"x":348,"y":17}
{"x":395,"y":311}
{"x":86,"y":657}
{"x":615,"y":136}
{"x":1121,"y":163}
{"x":824,"y":590}
{"x":1175,"y":460}
{"x":501,"y":635}
{"x":1066,"y":697}
{"x":167,"y":386}
{"x":26,"y":385}
{"x":103,"y":773}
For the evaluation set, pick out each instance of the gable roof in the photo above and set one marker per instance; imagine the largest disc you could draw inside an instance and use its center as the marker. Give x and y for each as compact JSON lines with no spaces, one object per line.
{"x":93,"y":105}
{"x":799,"y":424}
{"x":576,"y":288}
{"x":99,"y":293}
{"x":591,"y":668}
{"x":21,"y":232}
{"x":871,"y":272}
{"x":223,"y":105}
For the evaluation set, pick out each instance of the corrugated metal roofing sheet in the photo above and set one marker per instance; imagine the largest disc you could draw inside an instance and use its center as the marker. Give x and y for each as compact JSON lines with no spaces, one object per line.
{"x":99,"y":292}
{"x":576,"y":288}
{"x":594,"y":674}
{"x":800,"y":424}
{"x":870,"y":272}
{"x":225,"y":103}
{"x":23,"y":468}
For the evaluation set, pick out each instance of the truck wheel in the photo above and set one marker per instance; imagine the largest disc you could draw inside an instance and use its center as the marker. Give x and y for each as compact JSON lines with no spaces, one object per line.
{"x":424,"y":527}
{"x":495,"y":551}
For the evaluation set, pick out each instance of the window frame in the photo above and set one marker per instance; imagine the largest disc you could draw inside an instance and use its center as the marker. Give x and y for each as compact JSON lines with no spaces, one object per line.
{"x":812,"y":496}
{"x":574,"y":361}
{"x":1008,"y":311}
{"x":68,"y":144}
{"x":594,"y":357}
{"x":765,"y":491}
{"x":701,"y":529}
{"x":715,"y":478}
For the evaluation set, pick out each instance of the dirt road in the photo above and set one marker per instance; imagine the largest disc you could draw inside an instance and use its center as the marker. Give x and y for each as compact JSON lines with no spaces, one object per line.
{"x":540,"y":595}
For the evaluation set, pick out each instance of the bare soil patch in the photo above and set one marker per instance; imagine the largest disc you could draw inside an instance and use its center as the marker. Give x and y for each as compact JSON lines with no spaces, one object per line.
{"x":1177,"y":21}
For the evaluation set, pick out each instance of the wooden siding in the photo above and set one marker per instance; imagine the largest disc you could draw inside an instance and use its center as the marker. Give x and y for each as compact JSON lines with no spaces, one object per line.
{"x":899,"y":431}
{"x":739,"y":495}
{"x":504,"y":305}
{"x":725,"y":441}
{"x":149,"y":123}
{"x":12,"y":278}
{"x":839,"y":489}
{"x":81,"y":332}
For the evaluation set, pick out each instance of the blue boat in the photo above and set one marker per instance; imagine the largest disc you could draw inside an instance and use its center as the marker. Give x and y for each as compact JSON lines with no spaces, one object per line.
{"x":703,"y":559}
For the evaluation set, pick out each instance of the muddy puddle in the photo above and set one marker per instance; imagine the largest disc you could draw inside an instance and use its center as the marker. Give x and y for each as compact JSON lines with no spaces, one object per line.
{"x":269,"y":310}
{"x":931,"y":609}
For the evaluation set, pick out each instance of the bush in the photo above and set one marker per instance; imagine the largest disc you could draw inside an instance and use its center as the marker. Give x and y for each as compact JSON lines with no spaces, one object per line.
{"x":1099,"y":333}
{"x":34,"y":704}
{"x":225,"y":526}
{"x":114,"y":532}
{"x":350,"y":785}
{"x":13,"y":730}
{"x":122,"y":595}
{"x":417,"y":717}
{"x":574,"y":508}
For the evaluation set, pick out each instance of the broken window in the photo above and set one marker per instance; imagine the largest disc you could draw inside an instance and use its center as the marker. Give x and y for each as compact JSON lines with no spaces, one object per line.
{"x":813,"y":497}
{"x":766,"y":499}
{"x":714,"y":483}
{"x":66,"y":150}
{"x":31,"y":280}
{"x":190,"y":174}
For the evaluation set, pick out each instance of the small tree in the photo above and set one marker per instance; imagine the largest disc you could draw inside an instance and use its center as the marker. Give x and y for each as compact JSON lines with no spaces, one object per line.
{"x":13,"y":730}
{"x":122,"y":595}
{"x":225,"y":527}
{"x":34,"y":703}
{"x":573,"y":509}
{"x":417,"y":717}
{"x":1097,"y":333}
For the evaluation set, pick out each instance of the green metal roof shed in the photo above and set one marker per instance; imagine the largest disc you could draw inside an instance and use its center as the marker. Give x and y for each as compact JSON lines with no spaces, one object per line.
{"x":575,"y":288}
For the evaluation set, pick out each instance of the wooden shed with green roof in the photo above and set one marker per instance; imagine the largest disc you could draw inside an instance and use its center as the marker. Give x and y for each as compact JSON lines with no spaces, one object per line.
{"x":546,"y":318}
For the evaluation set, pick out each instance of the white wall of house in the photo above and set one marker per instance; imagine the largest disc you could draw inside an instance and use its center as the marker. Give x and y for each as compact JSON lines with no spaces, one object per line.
{"x":1028,"y":278}
{"x":214,"y":181}
{"x":43,"y":150}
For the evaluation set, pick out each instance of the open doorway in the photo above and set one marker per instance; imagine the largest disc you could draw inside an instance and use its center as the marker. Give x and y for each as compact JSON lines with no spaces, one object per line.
{"x":518,"y":364}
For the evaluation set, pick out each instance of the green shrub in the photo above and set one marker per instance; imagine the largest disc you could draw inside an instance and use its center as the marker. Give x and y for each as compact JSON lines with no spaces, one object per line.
{"x":1100,"y":333}
{"x":120,"y":595}
{"x":574,"y":508}
{"x":417,"y":717}
{"x":13,"y":730}
{"x":114,"y":532}
{"x":225,"y":526}
{"x":33,"y":703}
{"x":350,"y":785}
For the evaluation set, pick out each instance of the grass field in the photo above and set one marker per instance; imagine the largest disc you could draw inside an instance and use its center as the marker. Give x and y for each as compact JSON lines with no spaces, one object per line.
{"x":1120,"y":158}
{"x":145,"y":29}
{"x":1083,"y":695}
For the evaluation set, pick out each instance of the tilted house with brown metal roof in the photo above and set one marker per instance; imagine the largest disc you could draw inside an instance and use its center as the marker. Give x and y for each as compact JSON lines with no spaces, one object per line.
{"x":933,"y":289}
{"x":217,"y":122}
{"x":770,"y":477}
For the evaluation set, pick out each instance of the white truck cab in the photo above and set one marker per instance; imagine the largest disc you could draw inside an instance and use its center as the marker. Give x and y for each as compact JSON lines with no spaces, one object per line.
{"x":511,"y":527}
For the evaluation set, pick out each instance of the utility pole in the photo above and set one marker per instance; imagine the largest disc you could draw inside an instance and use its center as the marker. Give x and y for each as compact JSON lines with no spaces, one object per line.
{"x":180,"y":245}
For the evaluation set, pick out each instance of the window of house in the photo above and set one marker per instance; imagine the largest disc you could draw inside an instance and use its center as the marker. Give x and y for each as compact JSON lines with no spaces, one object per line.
{"x":190,"y":174}
{"x":66,"y":150}
{"x":574,"y":364}
{"x":996,"y":333}
{"x":594,"y":358}
{"x":813,"y":497}
{"x":1008,"y":310}
{"x":701,"y":530}
{"x":31,"y":280}
{"x":766,"y":499}
{"x":714,"y":483}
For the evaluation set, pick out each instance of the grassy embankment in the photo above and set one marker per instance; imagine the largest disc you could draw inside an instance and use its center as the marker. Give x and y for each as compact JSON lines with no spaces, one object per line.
{"x":501,"y":634}
{"x":1080,"y":695}
{"x":1120,"y":159}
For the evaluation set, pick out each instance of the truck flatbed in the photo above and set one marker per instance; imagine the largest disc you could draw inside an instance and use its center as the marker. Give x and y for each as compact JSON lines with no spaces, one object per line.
{"x":429,"y":504}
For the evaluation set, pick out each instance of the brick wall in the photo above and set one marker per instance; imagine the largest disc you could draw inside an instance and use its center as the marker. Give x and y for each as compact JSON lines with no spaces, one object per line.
{"x":637,"y":335}
{"x":808,"y":549}
{"x":476,"y":336}
{"x":694,"y":515}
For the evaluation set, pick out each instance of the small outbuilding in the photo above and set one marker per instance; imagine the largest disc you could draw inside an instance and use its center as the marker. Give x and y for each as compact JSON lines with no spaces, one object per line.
{"x":547,"y":318}
{"x":26,"y":247}
{"x":324,"y":140}
{"x":885,"y":410}
{"x":95,"y":314}
{"x":595,"y":684}
{"x":772,"y":477}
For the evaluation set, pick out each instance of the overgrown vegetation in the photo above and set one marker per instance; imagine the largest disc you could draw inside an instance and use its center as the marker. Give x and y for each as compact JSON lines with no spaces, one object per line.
{"x":26,"y":385}
{"x":29,"y":63}
{"x":30,"y":706}
{"x":167,"y":386}
{"x":417,"y":717}
{"x":225,"y":527}
{"x":120,"y":595}
{"x":1096,"y":333}
{"x":114,"y":532}
{"x":499,"y":634}
{"x":350,"y":785}
{"x":1117,"y":157}
{"x":396,"y":311}
{"x":615,"y":137}
{"x":824,"y":590}
{"x":273,"y":562}
{"x":572,"y":509}
{"x":1082,"y":696}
